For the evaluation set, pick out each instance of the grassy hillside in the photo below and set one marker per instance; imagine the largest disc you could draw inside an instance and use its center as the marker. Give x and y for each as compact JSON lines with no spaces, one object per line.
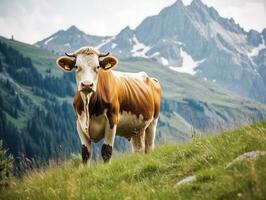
{"x":42,"y":59}
{"x":34,"y":106}
{"x":154,"y":176}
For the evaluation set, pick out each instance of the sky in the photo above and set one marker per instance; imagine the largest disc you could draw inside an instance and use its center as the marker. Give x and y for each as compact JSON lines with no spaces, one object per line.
{"x":33,"y":20}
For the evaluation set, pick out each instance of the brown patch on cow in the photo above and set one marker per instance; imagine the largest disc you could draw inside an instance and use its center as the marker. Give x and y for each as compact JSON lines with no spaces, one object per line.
{"x":106,"y":152}
{"x":78,"y":103}
{"x":118,"y":94}
{"x":85,"y":154}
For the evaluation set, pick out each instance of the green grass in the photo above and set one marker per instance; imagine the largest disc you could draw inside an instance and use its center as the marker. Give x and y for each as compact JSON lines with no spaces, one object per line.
{"x":154,"y":176}
{"x":41,"y":58}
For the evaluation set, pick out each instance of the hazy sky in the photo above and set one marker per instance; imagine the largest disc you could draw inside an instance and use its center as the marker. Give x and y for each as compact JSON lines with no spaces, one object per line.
{"x":33,"y":20}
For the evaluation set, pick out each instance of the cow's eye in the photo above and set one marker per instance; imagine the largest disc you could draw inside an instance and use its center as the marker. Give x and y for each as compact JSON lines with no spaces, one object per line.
{"x":76,"y":67}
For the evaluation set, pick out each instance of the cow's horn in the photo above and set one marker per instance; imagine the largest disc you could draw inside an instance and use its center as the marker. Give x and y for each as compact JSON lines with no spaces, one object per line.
{"x":71,"y":55}
{"x":103,"y":55}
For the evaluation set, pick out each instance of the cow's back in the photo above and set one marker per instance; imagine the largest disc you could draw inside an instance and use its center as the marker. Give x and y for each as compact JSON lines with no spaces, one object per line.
{"x":133,"y":97}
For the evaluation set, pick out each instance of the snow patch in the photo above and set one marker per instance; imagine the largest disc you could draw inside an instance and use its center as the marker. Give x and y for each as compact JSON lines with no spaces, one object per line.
{"x":139,"y":49}
{"x":179,"y":43}
{"x":188,"y":65}
{"x":104,"y":42}
{"x":114,"y":45}
{"x":155,"y":54}
{"x":255,"y":51}
{"x":164,"y":61}
{"x":48,"y":40}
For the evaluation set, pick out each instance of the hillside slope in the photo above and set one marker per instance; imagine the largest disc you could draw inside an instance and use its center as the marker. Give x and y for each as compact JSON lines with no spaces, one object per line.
{"x":36,"y":98}
{"x":155,"y":176}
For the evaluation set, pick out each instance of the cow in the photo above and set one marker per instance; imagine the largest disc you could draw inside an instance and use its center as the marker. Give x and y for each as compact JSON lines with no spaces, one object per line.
{"x":109,"y":103}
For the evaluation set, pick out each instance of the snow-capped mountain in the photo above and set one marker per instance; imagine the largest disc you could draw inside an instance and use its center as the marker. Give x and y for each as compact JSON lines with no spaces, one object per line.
{"x":192,"y":39}
{"x":69,"y":40}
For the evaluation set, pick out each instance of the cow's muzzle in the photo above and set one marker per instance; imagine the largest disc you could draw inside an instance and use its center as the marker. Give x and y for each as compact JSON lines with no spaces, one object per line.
{"x":86,"y":86}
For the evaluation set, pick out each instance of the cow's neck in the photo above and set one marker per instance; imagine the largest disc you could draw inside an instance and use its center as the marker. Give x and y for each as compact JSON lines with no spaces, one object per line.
{"x":106,"y":86}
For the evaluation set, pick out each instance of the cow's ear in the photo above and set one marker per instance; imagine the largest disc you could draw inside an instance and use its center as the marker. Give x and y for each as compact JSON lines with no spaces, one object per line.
{"x":66,"y":63}
{"x":108,"y":62}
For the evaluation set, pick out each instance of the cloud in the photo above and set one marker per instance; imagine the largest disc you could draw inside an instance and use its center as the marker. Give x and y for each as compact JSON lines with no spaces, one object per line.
{"x":250,"y":14}
{"x":31,"y":20}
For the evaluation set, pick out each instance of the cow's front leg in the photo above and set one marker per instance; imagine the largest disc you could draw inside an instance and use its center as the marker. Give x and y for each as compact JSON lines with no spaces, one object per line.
{"x":109,"y":138}
{"x":86,"y":149}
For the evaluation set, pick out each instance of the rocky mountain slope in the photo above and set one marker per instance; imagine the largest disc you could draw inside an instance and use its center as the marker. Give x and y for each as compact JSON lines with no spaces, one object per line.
{"x":191,"y":39}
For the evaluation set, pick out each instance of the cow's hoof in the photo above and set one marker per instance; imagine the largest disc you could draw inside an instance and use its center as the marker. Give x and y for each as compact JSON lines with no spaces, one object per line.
{"x":106,"y":152}
{"x":85,"y":154}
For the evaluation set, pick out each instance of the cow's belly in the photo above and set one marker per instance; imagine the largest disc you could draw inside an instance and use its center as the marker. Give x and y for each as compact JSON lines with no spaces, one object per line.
{"x":128,"y":125}
{"x":97,"y":127}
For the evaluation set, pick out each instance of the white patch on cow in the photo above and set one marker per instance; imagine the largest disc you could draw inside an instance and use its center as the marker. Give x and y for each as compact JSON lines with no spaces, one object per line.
{"x":150,"y":135}
{"x":86,"y":69}
{"x":139,"y":75}
{"x":109,"y":135}
{"x":83,"y":139}
{"x":84,"y":118}
{"x":130,"y":124}
{"x":81,"y":133}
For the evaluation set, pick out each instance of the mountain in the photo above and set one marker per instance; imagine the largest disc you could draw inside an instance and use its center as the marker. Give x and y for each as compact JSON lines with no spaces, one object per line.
{"x":38,"y":122}
{"x":231,"y":165}
{"x":69,"y":40}
{"x":195,"y":39}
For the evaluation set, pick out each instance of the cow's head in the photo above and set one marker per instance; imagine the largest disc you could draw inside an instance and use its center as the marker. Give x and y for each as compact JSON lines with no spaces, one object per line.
{"x":87,"y":62}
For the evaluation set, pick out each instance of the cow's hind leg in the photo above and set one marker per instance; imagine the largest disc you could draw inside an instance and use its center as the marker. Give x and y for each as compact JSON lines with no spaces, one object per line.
{"x":150,"y":136}
{"x":137,"y":142}
{"x":86,"y":149}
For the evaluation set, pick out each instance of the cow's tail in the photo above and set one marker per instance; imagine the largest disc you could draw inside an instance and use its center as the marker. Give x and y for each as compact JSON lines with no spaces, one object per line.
{"x":156,"y":88}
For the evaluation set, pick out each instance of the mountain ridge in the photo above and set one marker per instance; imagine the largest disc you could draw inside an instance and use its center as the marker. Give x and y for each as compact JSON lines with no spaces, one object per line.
{"x":194,"y":39}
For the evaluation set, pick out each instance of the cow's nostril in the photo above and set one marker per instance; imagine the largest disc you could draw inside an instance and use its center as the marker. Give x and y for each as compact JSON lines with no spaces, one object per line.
{"x":82,"y":84}
{"x":91,"y":85}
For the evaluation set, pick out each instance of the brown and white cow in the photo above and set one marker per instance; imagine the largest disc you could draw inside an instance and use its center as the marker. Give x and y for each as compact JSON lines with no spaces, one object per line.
{"x":110,"y":103}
